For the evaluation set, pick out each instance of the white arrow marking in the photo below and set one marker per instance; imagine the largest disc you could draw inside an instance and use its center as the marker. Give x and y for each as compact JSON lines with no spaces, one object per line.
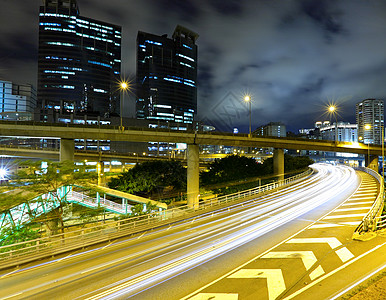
{"x":317,"y":272}
{"x":345,"y":216}
{"x":307,"y":257}
{"x":332,"y":242}
{"x":215,"y":296}
{"x":343,"y":253}
{"x":275,"y":280}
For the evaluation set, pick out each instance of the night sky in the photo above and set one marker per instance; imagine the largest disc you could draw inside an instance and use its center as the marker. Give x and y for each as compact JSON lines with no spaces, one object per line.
{"x":292,"y":57}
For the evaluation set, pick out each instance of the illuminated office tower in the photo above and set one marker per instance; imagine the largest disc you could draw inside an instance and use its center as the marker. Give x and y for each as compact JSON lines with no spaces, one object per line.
{"x":79,"y":61}
{"x":167,"y":76}
{"x":370,"y":112}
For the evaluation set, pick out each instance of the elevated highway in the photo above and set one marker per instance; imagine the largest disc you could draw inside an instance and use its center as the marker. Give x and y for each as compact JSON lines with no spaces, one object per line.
{"x":68,"y":132}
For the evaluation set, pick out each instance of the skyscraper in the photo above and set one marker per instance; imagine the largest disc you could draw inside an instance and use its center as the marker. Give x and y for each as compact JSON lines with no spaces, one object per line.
{"x":167,"y":76}
{"x":79,"y":61}
{"x":370,"y":112}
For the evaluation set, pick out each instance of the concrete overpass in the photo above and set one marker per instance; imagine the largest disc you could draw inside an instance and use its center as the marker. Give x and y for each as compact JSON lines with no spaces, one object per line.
{"x":68,"y":132}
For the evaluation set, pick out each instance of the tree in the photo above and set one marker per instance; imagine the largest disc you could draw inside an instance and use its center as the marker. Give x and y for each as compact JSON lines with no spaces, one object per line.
{"x":234,"y":173}
{"x":40,"y":179}
{"x":231,"y":168}
{"x":151,"y":178}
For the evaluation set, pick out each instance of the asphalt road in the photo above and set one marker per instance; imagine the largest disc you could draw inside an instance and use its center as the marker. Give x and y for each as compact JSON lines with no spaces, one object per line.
{"x":189,"y":260}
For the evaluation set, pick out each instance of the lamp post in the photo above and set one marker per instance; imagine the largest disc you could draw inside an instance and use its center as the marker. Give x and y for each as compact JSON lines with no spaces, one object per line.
{"x":332,"y":110}
{"x":368,"y":127}
{"x":123,"y":86}
{"x":247,"y":98}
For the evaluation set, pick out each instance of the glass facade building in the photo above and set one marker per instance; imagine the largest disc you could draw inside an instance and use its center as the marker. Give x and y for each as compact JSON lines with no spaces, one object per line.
{"x":79,"y":61}
{"x":167,"y":76}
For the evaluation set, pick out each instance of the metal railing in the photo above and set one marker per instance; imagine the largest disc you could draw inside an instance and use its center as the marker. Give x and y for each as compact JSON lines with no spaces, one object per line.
{"x":74,"y":196}
{"x":16,"y":254}
{"x":370,"y":221}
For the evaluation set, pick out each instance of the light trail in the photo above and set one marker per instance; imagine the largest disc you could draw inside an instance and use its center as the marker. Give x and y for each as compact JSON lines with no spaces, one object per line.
{"x":153,"y":259}
{"x":294,"y":206}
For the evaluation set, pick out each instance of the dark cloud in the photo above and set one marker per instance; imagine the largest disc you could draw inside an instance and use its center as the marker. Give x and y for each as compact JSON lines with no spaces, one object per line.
{"x":291,"y":56}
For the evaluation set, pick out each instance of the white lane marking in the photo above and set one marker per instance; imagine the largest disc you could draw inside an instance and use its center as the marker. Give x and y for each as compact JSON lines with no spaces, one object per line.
{"x":352,"y":208}
{"x":317,"y":272}
{"x":331,"y":241}
{"x":275,"y":279}
{"x":215,"y":296}
{"x":344,"y":254}
{"x":307,"y":257}
{"x":358,"y":282}
{"x":14,"y":295}
{"x":333,"y":272}
{"x":5,"y":275}
{"x":345,"y":216}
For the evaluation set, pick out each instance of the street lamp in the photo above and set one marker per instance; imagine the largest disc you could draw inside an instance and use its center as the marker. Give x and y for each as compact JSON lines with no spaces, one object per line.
{"x":332,"y":110}
{"x":247,"y":98}
{"x":123,"y":86}
{"x":368,"y":127}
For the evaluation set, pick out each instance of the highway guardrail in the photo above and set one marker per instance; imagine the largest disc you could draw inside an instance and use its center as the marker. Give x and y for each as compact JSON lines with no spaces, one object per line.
{"x":23,"y":252}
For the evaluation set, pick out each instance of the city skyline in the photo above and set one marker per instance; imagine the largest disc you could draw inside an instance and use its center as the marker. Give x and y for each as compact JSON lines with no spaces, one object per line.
{"x":293,"y":57}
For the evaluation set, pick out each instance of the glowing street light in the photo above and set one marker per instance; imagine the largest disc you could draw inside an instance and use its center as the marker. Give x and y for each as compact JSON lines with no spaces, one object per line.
{"x":3,"y":173}
{"x":247,"y":98}
{"x":332,"y":109}
{"x":123,"y":86}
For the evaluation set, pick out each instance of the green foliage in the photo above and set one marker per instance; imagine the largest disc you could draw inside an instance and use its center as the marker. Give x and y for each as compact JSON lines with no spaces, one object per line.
{"x":138,"y":209}
{"x":235,"y":173}
{"x":15,"y":235}
{"x":149,"y":178}
{"x":231,"y":168}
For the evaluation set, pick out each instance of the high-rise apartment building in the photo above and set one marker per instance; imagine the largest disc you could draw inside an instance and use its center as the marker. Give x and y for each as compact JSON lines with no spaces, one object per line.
{"x":79,"y":61}
{"x":271,"y":129}
{"x":370,"y":120}
{"x":17,"y":101}
{"x":167,"y":76}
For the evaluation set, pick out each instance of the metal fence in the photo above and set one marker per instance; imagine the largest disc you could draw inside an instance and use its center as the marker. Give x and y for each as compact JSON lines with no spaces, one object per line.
{"x":371,"y":221}
{"x":23,"y":252}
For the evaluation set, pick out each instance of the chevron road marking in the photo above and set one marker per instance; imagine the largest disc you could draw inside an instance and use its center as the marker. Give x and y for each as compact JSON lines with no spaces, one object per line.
{"x":215,"y":296}
{"x":326,"y":225}
{"x":343,"y":253}
{"x":352,"y":208}
{"x":275,"y":279}
{"x":358,"y":203}
{"x":307,"y":257}
{"x":345,"y":216}
{"x":317,"y":272}
{"x":331,"y":241}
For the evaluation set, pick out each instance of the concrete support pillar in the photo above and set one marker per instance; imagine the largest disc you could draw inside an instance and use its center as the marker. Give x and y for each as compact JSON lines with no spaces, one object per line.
{"x":278,"y":163}
{"x":67,"y":149}
{"x":371,"y":162}
{"x":193,"y":176}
